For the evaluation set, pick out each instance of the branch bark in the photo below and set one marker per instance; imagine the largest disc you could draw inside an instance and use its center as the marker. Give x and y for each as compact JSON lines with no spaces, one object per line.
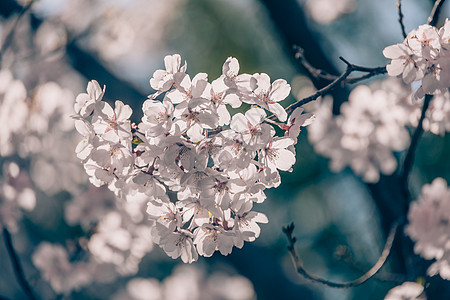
{"x":15,"y":261}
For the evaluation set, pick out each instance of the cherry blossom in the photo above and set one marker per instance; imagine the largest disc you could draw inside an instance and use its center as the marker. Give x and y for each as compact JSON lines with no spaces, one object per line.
{"x":189,"y":144}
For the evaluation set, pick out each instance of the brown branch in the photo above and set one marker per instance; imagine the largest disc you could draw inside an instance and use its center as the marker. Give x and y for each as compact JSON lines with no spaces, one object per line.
{"x":318,"y":73}
{"x":434,"y":15}
{"x":336,"y":82}
{"x":409,"y":158}
{"x":400,"y":18}
{"x":10,"y":34}
{"x":288,"y":230}
{"x":18,"y":270}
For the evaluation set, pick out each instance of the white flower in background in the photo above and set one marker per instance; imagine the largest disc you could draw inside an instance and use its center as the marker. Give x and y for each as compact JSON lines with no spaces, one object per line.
{"x":327,"y":11}
{"x":63,"y":276}
{"x":429,"y":226}
{"x":371,"y":126}
{"x":407,"y":291}
{"x":189,"y":282}
{"x":16,"y":194}
{"x":13,"y":110}
{"x":437,"y":118}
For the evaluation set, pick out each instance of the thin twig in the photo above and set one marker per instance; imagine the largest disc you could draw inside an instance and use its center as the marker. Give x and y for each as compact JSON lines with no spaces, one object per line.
{"x":337,"y":81}
{"x":320,"y":92}
{"x":400,"y":18}
{"x":318,"y":73}
{"x":434,"y":15}
{"x":288,"y":230}
{"x":409,"y":158}
{"x":10,"y":34}
{"x":386,"y":277}
{"x":18,"y":270}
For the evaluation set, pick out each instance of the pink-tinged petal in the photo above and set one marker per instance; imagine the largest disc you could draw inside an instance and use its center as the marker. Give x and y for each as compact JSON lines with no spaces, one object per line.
{"x":255,"y":115}
{"x":257,"y":217}
{"x":394,"y":51}
{"x":230,"y":67}
{"x":195,"y":133}
{"x":239,"y":123}
{"x":208,"y":120}
{"x":280,"y":90}
{"x":294,"y":115}
{"x":232,"y":99}
{"x":278,"y":111}
{"x":176,"y":96}
{"x":260,"y":83}
{"x":122,"y":111}
{"x":82,"y":128}
{"x":282,"y":143}
{"x":95,"y":91}
{"x":106,"y":109}
{"x":284,"y":159}
{"x":396,"y":67}
{"x":172,"y":63}
{"x":430,"y":84}
{"x":305,"y":119}
{"x":224,"y":115}
{"x":183,"y":82}
{"x":200,"y":86}
{"x":409,"y":73}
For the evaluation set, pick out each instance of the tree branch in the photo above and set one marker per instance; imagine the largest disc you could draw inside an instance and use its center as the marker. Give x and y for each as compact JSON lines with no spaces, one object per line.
{"x":18,"y":270}
{"x":400,"y":18}
{"x":341,"y":79}
{"x":434,"y":15}
{"x":318,"y":73}
{"x":288,"y":230}
{"x":409,"y":158}
{"x":10,"y":34}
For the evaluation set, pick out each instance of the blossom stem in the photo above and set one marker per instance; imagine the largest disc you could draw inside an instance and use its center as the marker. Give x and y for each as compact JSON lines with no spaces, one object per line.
{"x":434,"y":15}
{"x":18,"y":270}
{"x":400,"y":18}
{"x":288,"y":230}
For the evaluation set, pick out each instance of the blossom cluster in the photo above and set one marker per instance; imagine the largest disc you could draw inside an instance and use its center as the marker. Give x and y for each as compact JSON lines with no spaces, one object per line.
{"x":188,"y":282}
{"x":188,"y":143}
{"x":429,"y":226}
{"x":370,"y":127}
{"x":423,"y":56}
{"x":118,"y":239}
{"x":35,"y":134}
{"x":407,"y":291}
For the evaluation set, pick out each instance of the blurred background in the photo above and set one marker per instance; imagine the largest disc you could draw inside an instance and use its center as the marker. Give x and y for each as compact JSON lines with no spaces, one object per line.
{"x":120,"y":43}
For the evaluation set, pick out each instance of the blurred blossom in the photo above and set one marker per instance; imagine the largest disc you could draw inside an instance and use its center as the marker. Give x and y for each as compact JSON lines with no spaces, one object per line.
{"x":63,"y":276}
{"x":326,"y":11}
{"x":407,"y":291}
{"x":189,"y":282}
{"x":120,"y":241}
{"x":371,"y":126}
{"x":437,"y":118}
{"x":89,"y":207}
{"x":429,"y":226}
{"x":111,"y":28}
{"x":13,"y":110}
{"x":16,"y":194}
{"x":50,"y":37}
